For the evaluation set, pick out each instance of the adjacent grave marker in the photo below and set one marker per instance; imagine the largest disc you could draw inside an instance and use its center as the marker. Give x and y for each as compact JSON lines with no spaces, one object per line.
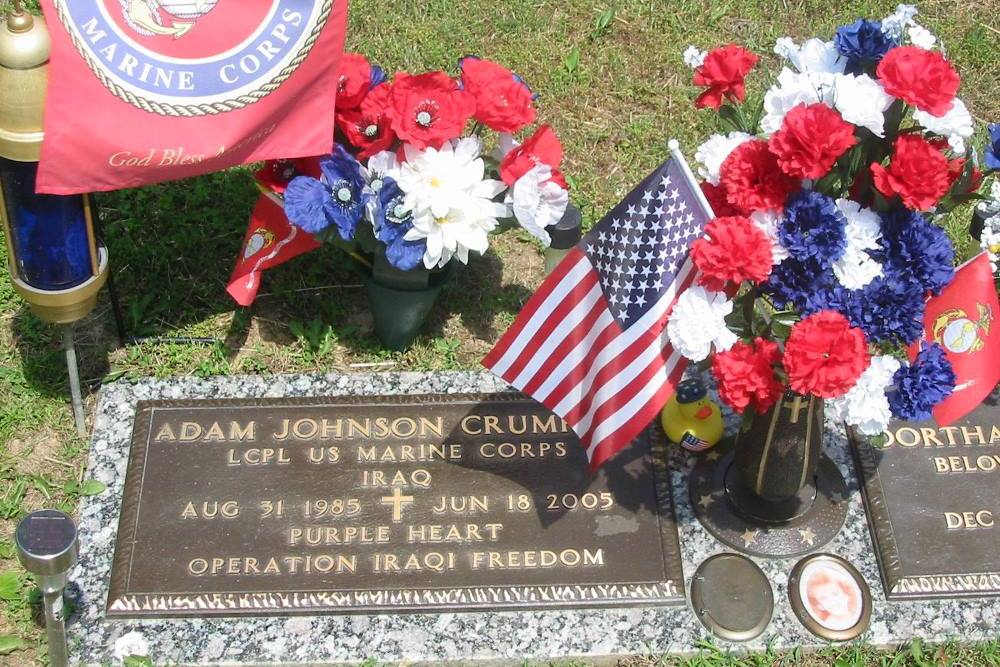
{"x":933,"y":500}
{"x":378,"y":504}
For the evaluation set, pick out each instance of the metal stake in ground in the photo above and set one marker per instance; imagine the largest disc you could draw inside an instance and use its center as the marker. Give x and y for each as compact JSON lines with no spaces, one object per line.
{"x":74,"y":380}
{"x":47,"y":547}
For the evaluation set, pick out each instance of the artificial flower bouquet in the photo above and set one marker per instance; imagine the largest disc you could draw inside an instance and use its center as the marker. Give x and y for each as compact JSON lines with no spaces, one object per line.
{"x":409,"y":181}
{"x":814,"y":274}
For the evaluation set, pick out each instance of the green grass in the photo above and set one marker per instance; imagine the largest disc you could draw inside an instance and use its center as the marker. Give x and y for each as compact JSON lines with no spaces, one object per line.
{"x":614,"y":87}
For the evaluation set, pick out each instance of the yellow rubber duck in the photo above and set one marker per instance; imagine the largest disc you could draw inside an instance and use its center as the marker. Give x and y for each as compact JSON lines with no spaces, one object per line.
{"x":690,"y":419}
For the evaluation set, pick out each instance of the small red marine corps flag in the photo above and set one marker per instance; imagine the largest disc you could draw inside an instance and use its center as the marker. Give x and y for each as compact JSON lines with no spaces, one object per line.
{"x":142,"y":91}
{"x":963,"y":319}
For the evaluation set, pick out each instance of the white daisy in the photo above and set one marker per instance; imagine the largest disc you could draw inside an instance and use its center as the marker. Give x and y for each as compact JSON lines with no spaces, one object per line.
{"x":441,"y":180}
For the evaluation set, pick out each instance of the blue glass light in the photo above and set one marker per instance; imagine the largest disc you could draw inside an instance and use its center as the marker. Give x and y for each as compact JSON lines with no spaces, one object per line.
{"x":48,"y":232}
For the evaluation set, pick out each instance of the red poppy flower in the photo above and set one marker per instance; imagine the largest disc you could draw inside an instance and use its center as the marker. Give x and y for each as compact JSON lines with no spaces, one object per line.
{"x":428,"y":109}
{"x":918,"y":173}
{"x":921,"y":78}
{"x":503,"y":102}
{"x":542,"y":147}
{"x":367,"y":127}
{"x":753,"y":180}
{"x":354,"y":76}
{"x":745,"y":375}
{"x":825,"y":355}
{"x":275,"y":175}
{"x":811,"y":139}
{"x":723,"y":72}
{"x":735,"y":250}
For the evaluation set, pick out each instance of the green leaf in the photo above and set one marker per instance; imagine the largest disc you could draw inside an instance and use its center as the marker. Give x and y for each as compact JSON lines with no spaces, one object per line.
{"x":92,"y":488}
{"x":10,"y":585}
{"x":137,"y":661}
{"x":572,"y":60}
{"x":10,"y":643}
{"x":604,"y":20}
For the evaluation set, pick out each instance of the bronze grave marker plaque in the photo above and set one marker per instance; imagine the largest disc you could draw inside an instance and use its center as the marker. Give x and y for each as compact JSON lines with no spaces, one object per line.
{"x":380,"y":504}
{"x":933,"y":501}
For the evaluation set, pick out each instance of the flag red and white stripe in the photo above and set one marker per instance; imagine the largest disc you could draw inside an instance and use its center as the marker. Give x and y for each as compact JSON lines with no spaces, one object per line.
{"x":607,"y":370}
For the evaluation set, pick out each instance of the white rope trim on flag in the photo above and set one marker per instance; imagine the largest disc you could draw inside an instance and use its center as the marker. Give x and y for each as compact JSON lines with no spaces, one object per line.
{"x":255,"y":271}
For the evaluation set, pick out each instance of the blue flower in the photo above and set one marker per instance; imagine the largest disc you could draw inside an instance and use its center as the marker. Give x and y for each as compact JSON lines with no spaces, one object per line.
{"x":378,"y":76}
{"x":347,"y":194}
{"x":802,"y":284}
{"x":391,"y":225}
{"x":304,"y":200}
{"x":993,"y":149}
{"x":863,"y":44}
{"x":813,"y":229}
{"x":918,"y":249}
{"x":889,"y":309}
{"x":922,"y":385}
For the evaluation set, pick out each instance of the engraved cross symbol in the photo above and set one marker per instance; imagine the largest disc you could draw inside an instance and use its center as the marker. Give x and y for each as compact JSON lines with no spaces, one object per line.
{"x":795,"y":407}
{"x":397,"y":500}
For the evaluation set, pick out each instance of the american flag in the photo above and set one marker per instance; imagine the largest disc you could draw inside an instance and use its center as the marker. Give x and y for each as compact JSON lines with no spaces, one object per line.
{"x":591,"y":343}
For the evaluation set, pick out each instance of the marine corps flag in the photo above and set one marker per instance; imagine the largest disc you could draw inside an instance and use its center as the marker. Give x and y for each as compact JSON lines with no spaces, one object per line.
{"x":963,"y":319}
{"x":142,"y":91}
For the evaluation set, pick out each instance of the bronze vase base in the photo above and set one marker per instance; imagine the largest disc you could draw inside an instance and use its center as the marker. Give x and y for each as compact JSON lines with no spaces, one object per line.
{"x":742,"y":520}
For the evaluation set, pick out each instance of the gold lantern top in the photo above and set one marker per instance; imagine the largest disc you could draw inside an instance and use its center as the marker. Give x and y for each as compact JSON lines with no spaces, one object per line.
{"x":24,"y":64}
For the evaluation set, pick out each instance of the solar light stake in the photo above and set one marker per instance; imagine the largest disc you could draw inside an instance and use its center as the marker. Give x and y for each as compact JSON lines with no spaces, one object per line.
{"x":47,"y":547}
{"x":74,"y":381}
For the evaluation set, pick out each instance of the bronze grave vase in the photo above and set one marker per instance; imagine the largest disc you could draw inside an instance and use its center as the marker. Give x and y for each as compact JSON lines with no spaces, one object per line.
{"x":773,"y":477}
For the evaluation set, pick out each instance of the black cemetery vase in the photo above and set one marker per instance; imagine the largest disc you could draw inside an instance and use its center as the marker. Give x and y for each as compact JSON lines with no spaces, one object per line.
{"x":773,"y":478}
{"x":400,"y":301}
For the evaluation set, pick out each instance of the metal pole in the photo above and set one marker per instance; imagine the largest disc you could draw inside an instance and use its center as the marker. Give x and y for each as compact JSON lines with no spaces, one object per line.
{"x":55,"y":627}
{"x":74,"y":380}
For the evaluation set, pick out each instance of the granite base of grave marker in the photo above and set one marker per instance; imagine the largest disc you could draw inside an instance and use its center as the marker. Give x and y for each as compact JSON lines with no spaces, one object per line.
{"x":450,"y":636}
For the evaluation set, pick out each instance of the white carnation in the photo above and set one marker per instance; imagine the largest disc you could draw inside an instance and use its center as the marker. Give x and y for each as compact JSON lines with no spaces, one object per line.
{"x":921,"y":36}
{"x":786,"y":47}
{"x":698,"y":322}
{"x":794,"y":88}
{"x":856,"y":268}
{"x":956,"y":124}
{"x":129,"y":644}
{"x":865,"y":406}
{"x":894,"y":25}
{"x":767,"y":222}
{"x":814,"y":56}
{"x":861,"y":100}
{"x":990,"y":241}
{"x":711,"y":154}
{"x":694,"y":57}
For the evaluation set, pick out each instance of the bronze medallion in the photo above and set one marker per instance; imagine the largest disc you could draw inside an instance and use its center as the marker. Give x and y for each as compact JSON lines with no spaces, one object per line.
{"x":732,"y":597}
{"x":385,"y":504}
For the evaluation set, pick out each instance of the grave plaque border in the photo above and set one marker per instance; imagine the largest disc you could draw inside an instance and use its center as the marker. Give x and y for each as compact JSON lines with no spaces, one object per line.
{"x":123,"y":604}
{"x":897,"y":583}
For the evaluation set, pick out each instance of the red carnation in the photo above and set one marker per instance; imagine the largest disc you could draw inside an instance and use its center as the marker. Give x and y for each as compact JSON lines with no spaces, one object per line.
{"x":503,"y":103}
{"x":542,"y":147}
{"x":745,"y":375}
{"x":716,"y":196}
{"x":824,"y":355}
{"x":918,"y":173}
{"x":354,"y":80}
{"x":367,"y":127}
{"x":753,"y":180}
{"x":735,"y":250}
{"x":723,"y":72}
{"x":921,"y":78}
{"x":811,"y":139}
{"x":428,"y":109}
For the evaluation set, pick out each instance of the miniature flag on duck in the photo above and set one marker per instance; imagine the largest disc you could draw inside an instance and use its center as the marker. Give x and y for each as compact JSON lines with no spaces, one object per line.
{"x":963,"y":320}
{"x":590,"y":344}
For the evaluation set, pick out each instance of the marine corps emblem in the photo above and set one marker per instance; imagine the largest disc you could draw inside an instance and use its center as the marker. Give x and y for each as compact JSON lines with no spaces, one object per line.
{"x":261,"y":239}
{"x":193,"y":57}
{"x":957,"y":332}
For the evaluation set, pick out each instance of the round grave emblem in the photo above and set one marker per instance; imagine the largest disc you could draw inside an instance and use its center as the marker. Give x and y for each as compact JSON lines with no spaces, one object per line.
{"x":193,"y":57}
